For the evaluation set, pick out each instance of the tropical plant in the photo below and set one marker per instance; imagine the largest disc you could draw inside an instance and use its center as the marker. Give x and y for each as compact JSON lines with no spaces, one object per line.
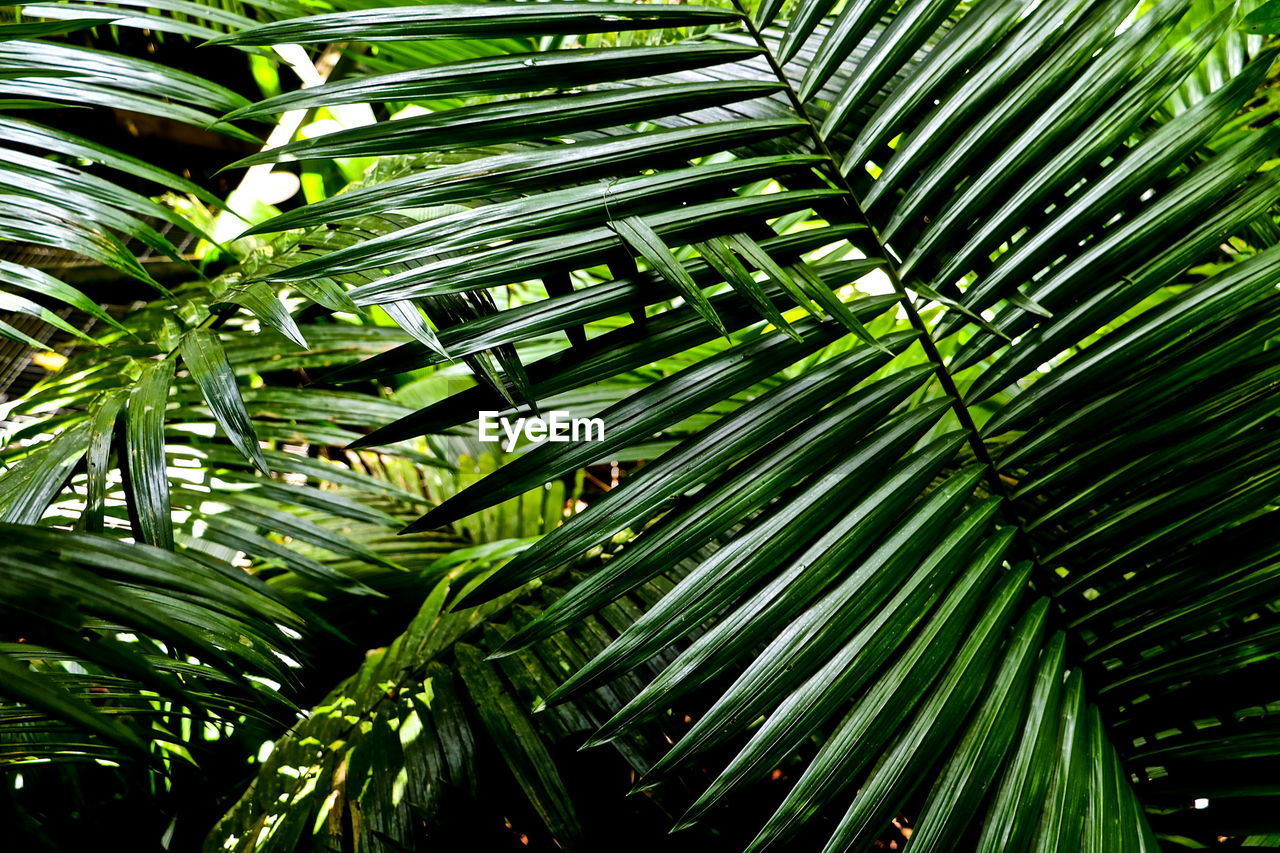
{"x":933,"y":347}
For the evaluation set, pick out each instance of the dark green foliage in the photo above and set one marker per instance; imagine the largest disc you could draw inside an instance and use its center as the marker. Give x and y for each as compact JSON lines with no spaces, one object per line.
{"x":935,"y":350}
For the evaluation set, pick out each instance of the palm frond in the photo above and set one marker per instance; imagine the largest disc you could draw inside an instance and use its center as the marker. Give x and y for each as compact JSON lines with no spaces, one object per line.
{"x":910,"y":581}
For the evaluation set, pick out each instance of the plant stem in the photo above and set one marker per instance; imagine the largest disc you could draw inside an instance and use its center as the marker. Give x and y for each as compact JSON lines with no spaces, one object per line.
{"x":908,"y":304}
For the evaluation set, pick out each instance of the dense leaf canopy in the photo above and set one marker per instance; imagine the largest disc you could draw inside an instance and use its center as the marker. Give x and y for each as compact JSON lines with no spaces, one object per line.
{"x":934,"y":347}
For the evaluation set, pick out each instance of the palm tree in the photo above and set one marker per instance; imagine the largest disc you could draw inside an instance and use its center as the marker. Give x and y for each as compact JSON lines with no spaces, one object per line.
{"x":942,"y":332}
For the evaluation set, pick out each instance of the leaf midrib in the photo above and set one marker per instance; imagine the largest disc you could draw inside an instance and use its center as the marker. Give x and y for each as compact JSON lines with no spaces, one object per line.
{"x":830,"y":167}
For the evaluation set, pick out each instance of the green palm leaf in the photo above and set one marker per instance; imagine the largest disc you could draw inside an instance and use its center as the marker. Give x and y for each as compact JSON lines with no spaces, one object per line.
{"x":944,"y":331}
{"x":1010,"y":110}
